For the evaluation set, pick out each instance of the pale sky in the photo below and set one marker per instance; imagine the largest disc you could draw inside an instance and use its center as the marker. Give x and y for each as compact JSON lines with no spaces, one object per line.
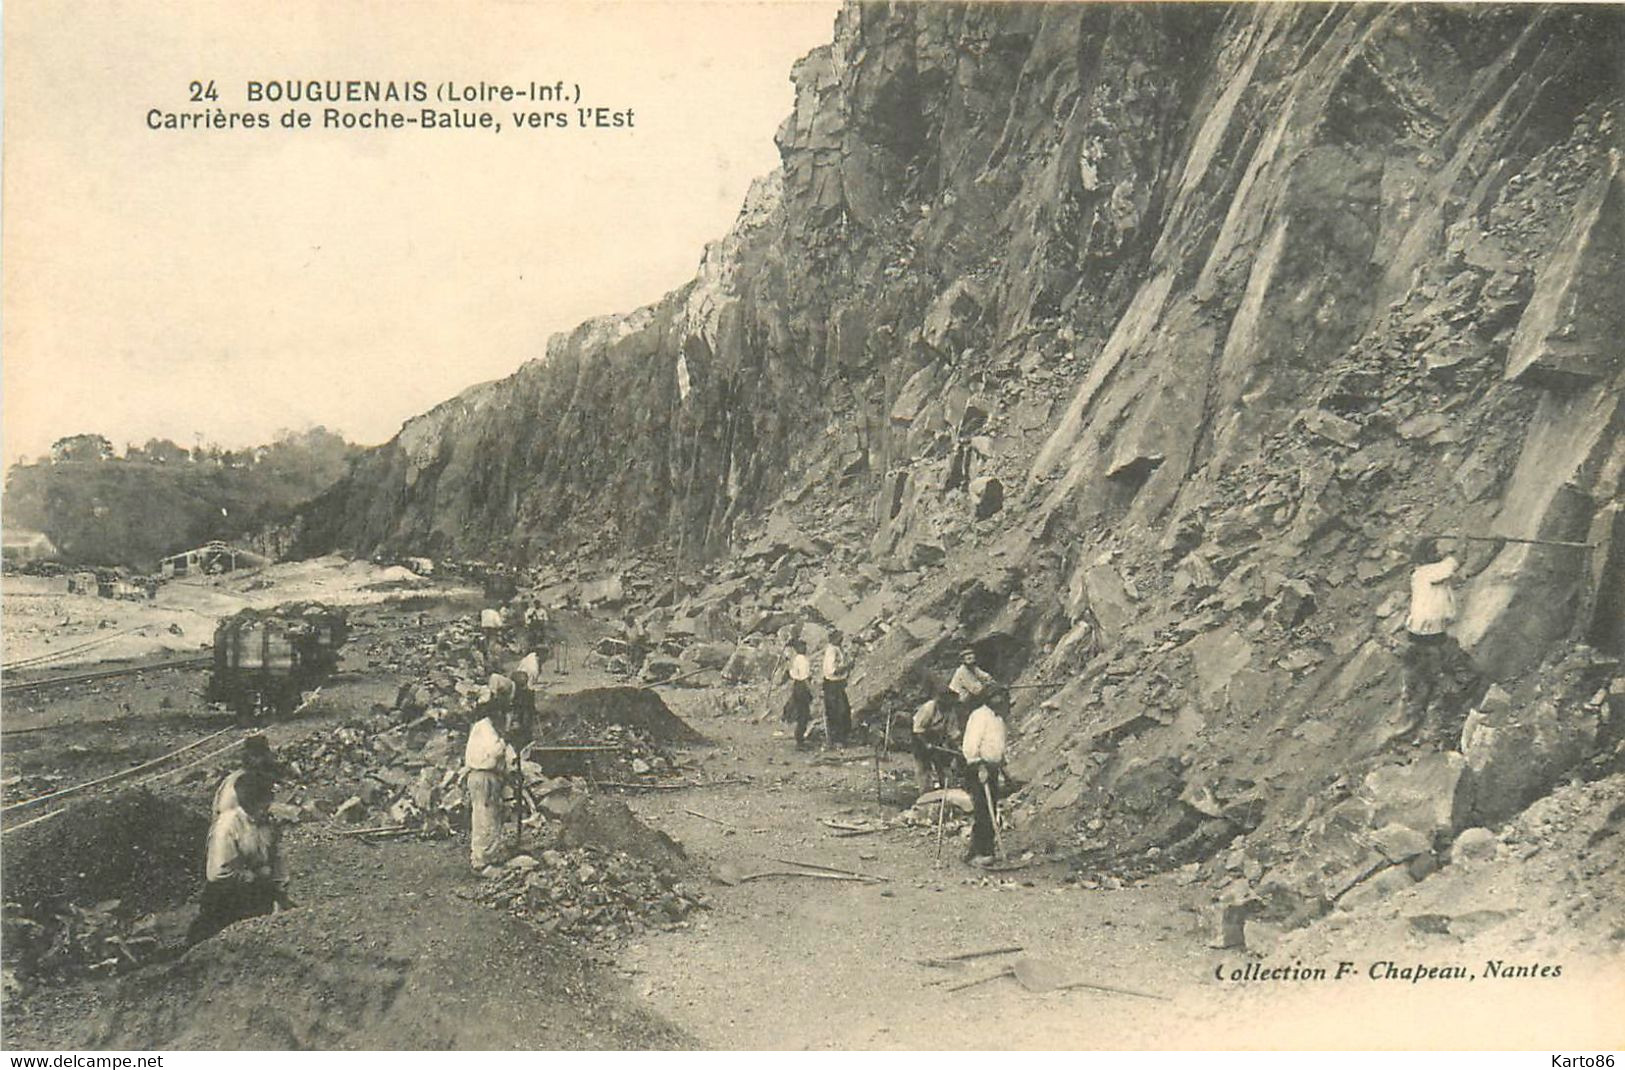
{"x":230,"y":282}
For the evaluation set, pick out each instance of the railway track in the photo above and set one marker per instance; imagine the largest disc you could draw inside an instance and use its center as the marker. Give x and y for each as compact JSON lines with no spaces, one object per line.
{"x":10,"y":688}
{"x":66,"y":652}
{"x":26,"y":812}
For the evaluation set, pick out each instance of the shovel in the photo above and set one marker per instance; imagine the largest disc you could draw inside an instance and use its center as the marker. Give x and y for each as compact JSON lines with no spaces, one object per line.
{"x":1037,"y":975}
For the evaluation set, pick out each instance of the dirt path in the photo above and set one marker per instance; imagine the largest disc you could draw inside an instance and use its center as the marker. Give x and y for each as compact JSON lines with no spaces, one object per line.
{"x":792,"y":964}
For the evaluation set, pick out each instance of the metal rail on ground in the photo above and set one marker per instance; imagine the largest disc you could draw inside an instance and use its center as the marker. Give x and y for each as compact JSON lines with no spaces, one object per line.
{"x":103,"y":674}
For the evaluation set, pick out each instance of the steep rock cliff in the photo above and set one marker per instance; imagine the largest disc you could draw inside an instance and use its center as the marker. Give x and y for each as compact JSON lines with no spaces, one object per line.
{"x":1138,"y":344}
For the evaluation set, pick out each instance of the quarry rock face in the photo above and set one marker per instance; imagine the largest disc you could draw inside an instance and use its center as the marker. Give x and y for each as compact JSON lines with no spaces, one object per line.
{"x":1230,"y":305}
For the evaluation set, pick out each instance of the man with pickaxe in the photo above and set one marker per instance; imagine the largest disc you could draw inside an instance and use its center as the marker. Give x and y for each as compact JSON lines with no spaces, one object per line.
{"x":983,"y":749}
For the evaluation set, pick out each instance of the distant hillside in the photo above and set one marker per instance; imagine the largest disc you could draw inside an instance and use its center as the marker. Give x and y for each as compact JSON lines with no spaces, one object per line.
{"x":99,"y":508}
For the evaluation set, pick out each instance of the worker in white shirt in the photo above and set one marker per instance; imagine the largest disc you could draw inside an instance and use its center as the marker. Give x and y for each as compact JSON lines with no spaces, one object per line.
{"x":487,"y":760}
{"x":1432,"y":612}
{"x":536,"y":624}
{"x":798,"y":704}
{"x":837,"y":709}
{"x":256,"y":757}
{"x":970,"y":681}
{"x":934,"y":740}
{"x":983,"y":749}
{"x":243,"y":872}
{"x":490,"y":632}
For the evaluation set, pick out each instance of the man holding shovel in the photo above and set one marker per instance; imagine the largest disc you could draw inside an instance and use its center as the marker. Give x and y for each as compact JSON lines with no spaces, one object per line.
{"x":984,"y":758}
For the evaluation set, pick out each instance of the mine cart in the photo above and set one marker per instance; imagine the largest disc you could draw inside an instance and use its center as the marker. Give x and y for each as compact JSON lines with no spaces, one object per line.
{"x":265,"y":661}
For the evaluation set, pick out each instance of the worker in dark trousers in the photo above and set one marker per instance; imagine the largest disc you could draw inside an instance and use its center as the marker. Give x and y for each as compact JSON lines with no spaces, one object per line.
{"x":521,"y":712}
{"x":1427,"y":651}
{"x":798,"y":703}
{"x":983,"y":749}
{"x":837,"y":709}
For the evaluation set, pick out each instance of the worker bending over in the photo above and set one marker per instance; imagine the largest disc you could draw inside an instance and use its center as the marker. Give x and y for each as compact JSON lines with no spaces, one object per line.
{"x":935,"y":742}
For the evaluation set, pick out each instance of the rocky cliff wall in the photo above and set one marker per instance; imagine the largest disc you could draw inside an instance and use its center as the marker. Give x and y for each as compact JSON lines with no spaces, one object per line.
{"x":1136,"y":344}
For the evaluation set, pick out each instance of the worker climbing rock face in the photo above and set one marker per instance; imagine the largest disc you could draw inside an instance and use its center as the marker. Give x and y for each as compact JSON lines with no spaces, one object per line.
{"x":1427,"y":649}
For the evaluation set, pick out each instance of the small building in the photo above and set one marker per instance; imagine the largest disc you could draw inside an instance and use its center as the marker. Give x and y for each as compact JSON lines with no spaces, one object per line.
{"x":19,"y":546}
{"x":208,"y":560}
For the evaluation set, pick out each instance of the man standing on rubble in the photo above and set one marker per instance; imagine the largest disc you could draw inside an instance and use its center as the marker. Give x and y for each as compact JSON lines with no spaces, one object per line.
{"x":487,"y":759}
{"x":970,"y":682}
{"x":984,"y":760}
{"x":243,"y":873}
{"x":798,"y":704}
{"x":1432,"y":612}
{"x":837,"y":709}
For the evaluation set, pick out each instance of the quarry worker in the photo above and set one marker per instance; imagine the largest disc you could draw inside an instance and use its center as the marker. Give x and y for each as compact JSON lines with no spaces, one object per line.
{"x":983,"y":749}
{"x":243,"y":872}
{"x":536,"y":624}
{"x":256,"y":757}
{"x":837,"y":709}
{"x":502,"y":689}
{"x":1432,"y":612}
{"x":490,"y":631}
{"x":531,"y":666}
{"x":487,"y":759}
{"x":798,"y":704}
{"x":637,"y":642}
{"x":970,"y":682}
{"x":521,"y":712}
{"x":934,"y":735}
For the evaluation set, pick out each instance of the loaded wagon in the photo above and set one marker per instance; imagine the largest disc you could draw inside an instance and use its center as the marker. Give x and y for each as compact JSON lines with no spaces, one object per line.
{"x":265,"y":661}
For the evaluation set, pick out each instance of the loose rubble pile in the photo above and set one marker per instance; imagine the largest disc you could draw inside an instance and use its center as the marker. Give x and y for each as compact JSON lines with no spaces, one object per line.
{"x":82,"y":889}
{"x":603,"y":875}
{"x":398,"y":768}
{"x":590,"y":893}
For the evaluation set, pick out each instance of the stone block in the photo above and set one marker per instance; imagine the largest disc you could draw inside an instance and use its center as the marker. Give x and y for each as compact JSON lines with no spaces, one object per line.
{"x":1515,"y":754}
{"x":1429,"y":795}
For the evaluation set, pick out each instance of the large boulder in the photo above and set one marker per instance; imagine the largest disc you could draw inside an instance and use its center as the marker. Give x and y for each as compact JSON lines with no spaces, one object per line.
{"x":605,"y":592}
{"x":1429,"y":795}
{"x":1515,"y":753}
